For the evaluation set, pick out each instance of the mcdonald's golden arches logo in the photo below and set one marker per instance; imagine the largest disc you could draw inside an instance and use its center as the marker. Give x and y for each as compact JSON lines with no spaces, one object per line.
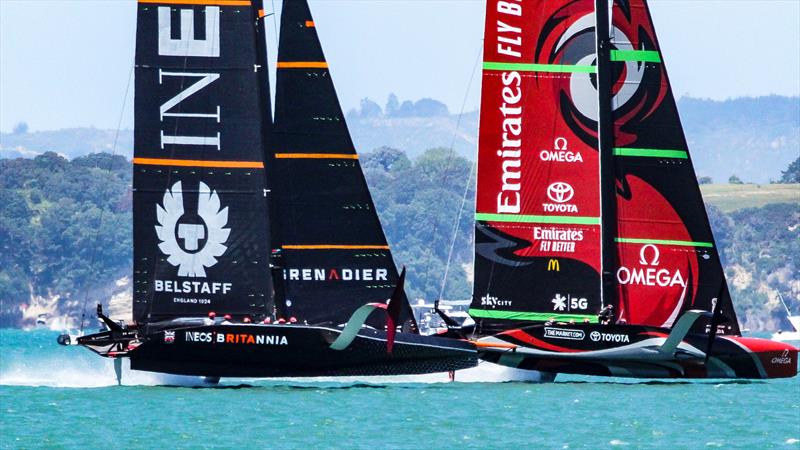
{"x":553,"y":265}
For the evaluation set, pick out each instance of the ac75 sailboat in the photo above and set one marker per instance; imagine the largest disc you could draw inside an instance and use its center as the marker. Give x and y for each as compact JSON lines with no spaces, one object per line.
{"x":593,"y":250}
{"x":268,"y":223}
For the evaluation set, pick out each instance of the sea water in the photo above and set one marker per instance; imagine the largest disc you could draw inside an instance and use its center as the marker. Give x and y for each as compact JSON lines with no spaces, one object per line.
{"x":67,"y":397}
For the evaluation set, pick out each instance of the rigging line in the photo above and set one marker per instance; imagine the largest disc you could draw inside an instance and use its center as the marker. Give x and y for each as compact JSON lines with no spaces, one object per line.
{"x":455,"y":232}
{"x":449,"y":160}
{"x":110,"y":170}
{"x":275,"y":22}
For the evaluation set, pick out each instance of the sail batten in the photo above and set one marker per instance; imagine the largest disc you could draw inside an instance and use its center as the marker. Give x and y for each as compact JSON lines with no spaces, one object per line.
{"x":526,"y":67}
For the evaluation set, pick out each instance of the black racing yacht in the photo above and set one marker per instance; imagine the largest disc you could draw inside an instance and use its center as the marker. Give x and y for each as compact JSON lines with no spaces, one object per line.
{"x":257,"y":248}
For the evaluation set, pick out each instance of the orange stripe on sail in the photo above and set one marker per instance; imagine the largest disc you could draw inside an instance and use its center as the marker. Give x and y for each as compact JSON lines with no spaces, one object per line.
{"x":335,"y":247}
{"x":316,"y":156}
{"x":302,"y":65}
{"x":200,"y":2}
{"x":198,"y":163}
{"x":309,"y":24}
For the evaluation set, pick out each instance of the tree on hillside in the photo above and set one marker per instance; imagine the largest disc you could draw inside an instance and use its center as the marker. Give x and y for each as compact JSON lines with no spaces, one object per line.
{"x":20,"y":128}
{"x":392,"y":105}
{"x":792,"y":173}
{"x":735,"y":180}
{"x":705,"y":180}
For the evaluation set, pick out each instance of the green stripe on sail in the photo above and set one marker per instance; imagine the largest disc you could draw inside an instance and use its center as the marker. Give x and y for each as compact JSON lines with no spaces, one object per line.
{"x":636,"y":55}
{"x":651,"y":153}
{"x":663,"y":242}
{"x":524,"y":67}
{"x":542,"y":317}
{"x":523,"y":218}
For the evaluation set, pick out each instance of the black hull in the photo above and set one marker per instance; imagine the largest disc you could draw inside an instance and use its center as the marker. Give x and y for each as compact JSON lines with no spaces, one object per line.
{"x":265,"y":351}
{"x":636,"y":352}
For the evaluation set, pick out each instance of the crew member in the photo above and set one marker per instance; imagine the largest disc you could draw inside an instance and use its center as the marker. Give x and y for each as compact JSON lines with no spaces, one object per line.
{"x":606,"y":315}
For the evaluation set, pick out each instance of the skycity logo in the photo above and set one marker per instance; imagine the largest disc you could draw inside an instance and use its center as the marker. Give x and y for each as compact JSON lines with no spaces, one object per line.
{"x":649,"y":274}
{"x":489,"y":300}
{"x":560,"y":193}
{"x":201,"y":243}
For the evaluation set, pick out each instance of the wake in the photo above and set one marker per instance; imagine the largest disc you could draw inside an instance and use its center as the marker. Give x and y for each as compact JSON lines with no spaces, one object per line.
{"x":76,"y":372}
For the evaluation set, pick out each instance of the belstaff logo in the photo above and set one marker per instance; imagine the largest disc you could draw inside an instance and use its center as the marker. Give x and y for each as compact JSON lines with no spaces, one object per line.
{"x":192,"y":247}
{"x":553,"y":266}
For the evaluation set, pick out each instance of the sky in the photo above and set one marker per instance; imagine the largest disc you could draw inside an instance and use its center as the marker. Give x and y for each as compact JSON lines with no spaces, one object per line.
{"x":67,"y":63}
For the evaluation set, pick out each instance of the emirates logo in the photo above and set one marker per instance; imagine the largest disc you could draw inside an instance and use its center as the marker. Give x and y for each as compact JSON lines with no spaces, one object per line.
{"x":560,"y":192}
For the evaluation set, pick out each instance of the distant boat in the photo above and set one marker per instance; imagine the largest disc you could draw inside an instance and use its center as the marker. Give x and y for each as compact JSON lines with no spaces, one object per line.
{"x":593,"y":250}
{"x":257,"y":248}
{"x":794,"y":322}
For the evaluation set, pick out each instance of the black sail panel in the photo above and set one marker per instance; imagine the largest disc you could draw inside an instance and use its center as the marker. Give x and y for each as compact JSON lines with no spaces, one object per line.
{"x":334,"y":253}
{"x":201,"y":239}
{"x":667,"y":259}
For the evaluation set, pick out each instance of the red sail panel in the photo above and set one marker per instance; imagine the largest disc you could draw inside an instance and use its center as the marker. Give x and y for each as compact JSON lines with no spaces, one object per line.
{"x":667,"y":258}
{"x":538,"y":201}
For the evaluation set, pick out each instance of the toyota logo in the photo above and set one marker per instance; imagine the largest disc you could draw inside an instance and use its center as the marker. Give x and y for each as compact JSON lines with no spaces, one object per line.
{"x":560,"y":192}
{"x":594,"y":335}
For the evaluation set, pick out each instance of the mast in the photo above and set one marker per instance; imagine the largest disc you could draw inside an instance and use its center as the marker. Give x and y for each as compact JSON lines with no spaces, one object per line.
{"x":274,"y":302}
{"x":605,"y":130}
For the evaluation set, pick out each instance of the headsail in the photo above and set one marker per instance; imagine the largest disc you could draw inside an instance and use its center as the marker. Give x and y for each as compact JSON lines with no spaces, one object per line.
{"x":201,"y":240}
{"x":335,"y":256}
{"x":668,"y":261}
{"x":537,"y":234}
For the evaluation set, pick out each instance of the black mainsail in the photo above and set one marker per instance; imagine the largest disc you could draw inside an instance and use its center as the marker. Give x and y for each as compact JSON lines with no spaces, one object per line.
{"x":200,"y":212}
{"x":588,"y":209}
{"x":334,"y":254}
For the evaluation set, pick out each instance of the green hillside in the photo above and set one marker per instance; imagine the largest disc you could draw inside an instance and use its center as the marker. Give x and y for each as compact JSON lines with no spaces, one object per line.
{"x":65,"y":226}
{"x":733,"y":197}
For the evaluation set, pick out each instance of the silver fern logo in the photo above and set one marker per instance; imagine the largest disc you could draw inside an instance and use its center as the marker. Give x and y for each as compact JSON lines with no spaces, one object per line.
{"x":200,"y":244}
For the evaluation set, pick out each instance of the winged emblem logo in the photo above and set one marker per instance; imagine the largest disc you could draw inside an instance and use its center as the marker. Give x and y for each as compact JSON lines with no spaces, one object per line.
{"x":202,"y":245}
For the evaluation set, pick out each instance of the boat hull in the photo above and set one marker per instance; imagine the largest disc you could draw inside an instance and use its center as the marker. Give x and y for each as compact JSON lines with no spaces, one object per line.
{"x":294,"y":351}
{"x":636,"y":351}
